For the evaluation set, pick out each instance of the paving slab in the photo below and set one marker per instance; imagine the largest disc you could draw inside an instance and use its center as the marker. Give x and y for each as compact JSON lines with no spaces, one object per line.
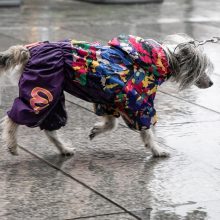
{"x":7,"y":41}
{"x":30,"y":189}
{"x":23,"y":35}
{"x":107,"y":217}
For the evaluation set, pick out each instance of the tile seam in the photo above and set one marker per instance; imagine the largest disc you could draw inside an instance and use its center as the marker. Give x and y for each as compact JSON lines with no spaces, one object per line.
{"x":81,"y":183}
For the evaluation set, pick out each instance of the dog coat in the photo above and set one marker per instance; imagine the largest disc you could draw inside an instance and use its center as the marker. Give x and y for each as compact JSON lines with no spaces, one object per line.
{"x":121,"y":79}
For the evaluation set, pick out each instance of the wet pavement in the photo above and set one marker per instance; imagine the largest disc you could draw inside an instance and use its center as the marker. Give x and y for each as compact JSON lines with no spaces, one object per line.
{"x":114,"y":177}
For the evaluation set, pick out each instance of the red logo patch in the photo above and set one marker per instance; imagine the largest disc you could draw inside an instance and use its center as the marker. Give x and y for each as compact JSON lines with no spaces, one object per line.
{"x":41,"y":99}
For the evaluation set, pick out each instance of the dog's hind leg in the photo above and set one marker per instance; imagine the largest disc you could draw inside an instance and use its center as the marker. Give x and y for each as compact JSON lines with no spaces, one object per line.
{"x":9,"y":135}
{"x":61,"y":146}
{"x":108,"y":123}
{"x":148,"y":139}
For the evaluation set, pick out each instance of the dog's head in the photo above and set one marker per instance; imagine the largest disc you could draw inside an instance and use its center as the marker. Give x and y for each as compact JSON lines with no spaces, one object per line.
{"x":191,"y":66}
{"x":204,"y":82}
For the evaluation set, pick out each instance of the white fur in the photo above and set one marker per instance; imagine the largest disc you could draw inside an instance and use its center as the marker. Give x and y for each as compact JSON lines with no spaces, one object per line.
{"x":61,"y":146}
{"x":190,"y":64}
{"x":9,"y":137}
{"x":108,"y":123}
{"x":9,"y":134}
{"x":147,"y":137}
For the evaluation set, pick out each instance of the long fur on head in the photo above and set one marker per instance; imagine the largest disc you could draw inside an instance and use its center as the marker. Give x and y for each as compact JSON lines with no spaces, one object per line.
{"x":15,"y":55}
{"x":188,"y":61}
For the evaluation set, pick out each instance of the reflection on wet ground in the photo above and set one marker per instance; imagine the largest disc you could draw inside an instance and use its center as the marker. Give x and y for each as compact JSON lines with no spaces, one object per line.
{"x":114,"y":177}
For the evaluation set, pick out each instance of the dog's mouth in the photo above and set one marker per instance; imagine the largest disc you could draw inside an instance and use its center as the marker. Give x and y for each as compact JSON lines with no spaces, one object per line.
{"x":204,"y":85}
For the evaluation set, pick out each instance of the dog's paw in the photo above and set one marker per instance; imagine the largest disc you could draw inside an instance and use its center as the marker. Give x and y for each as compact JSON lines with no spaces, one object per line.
{"x":94,"y":131}
{"x":13,"y":150}
{"x":160,"y":152}
{"x":68,"y":151}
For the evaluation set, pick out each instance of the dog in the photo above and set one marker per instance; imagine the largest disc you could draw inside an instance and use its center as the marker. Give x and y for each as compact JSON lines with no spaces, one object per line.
{"x":121,"y":78}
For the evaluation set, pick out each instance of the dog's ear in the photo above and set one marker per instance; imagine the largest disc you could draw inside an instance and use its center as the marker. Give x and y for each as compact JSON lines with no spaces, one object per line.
{"x":184,"y":52}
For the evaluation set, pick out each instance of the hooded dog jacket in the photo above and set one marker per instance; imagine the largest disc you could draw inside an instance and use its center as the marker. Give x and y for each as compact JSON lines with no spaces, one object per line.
{"x":121,"y":79}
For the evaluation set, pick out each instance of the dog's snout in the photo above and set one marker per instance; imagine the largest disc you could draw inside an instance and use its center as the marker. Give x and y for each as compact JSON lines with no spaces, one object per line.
{"x":210,"y":83}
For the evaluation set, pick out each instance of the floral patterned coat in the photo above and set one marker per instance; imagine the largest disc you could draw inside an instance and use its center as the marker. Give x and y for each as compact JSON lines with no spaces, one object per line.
{"x":131,"y":69}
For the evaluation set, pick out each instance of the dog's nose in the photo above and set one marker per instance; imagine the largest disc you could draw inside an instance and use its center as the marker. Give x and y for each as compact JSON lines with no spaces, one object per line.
{"x":210,"y":83}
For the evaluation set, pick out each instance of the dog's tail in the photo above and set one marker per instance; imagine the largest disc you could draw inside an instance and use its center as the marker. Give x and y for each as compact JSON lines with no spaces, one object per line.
{"x":14,"y":56}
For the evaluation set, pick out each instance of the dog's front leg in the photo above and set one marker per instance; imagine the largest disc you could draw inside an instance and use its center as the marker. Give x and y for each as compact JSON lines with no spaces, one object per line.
{"x":9,"y":135}
{"x":148,"y":139}
{"x":61,"y":146}
{"x":108,"y":123}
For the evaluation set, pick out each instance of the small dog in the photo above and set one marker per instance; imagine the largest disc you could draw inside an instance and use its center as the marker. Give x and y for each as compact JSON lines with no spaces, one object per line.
{"x":121,"y":78}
